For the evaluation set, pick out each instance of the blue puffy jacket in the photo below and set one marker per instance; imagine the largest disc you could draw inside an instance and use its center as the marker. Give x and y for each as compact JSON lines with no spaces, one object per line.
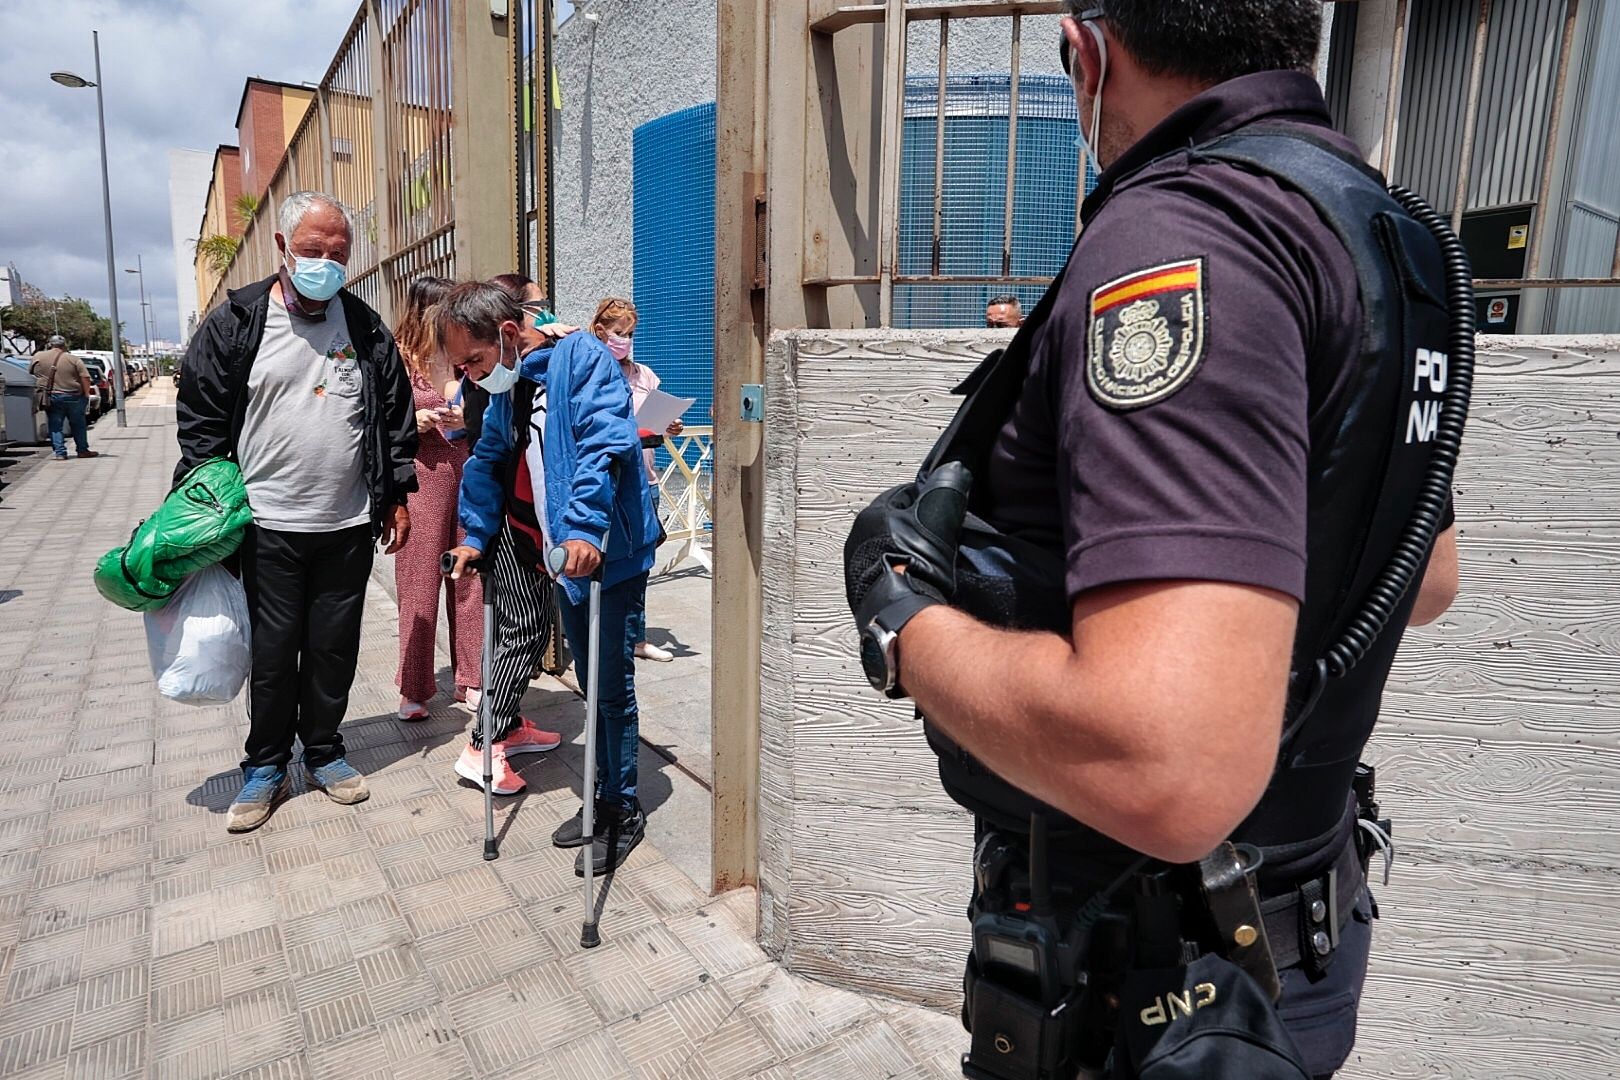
{"x":590,"y":428}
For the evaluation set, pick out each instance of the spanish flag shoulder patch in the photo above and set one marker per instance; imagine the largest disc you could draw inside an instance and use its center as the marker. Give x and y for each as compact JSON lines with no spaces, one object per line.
{"x":1146,"y":334}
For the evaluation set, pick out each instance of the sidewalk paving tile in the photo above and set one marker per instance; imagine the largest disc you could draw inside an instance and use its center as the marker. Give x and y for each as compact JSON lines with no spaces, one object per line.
{"x":139,"y":939}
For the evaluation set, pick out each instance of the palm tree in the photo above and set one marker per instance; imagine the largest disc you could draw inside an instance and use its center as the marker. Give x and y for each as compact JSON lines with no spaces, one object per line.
{"x":219,"y":250}
{"x":246,"y":207}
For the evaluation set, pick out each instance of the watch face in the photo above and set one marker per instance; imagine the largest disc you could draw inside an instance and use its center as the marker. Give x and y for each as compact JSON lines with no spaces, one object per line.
{"x":873,"y":660}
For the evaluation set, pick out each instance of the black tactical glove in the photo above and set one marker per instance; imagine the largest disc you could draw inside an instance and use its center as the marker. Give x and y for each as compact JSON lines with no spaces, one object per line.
{"x":915,"y":527}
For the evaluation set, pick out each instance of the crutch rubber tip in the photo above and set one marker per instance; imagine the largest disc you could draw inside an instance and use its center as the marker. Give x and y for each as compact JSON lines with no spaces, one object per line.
{"x":491,"y":852}
{"x":589,"y":936}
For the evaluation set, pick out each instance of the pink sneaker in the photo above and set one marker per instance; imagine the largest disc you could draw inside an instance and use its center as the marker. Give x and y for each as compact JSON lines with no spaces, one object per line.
{"x":528,"y":739}
{"x":470,"y":766}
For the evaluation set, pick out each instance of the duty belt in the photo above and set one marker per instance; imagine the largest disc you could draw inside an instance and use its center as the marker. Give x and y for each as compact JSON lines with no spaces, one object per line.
{"x":1303,"y":924}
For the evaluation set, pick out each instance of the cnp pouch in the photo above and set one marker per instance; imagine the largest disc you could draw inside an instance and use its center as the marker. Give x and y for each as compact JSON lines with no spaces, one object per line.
{"x":1206,"y":1021}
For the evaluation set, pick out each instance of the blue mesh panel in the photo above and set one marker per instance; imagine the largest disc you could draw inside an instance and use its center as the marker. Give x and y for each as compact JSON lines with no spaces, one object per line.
{"x":674,"y":254}
{"x":975,"y":187}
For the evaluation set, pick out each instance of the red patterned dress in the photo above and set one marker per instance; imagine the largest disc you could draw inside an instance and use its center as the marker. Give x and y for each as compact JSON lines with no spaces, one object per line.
{"x":416,"y":566}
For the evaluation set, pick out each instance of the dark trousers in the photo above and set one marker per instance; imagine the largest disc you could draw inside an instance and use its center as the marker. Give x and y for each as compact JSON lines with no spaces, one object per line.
{"x":522,"y":626}
{"x":66,"y":409}
{"x":618,"y":723}
{"x":306,"y":594}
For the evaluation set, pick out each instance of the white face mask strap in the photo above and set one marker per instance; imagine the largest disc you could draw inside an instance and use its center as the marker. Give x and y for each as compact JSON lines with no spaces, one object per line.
{"x":1096,"y":101}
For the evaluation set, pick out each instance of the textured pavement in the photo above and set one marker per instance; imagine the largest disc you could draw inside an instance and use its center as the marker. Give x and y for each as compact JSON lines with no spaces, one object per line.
{"x":138,"y":938}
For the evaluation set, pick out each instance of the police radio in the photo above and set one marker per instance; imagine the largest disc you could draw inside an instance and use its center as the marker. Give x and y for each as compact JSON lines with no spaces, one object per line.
{"x":1027,"y":981}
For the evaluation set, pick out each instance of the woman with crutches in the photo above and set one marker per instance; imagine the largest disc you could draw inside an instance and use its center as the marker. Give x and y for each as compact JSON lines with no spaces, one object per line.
{"x":558,"y":435}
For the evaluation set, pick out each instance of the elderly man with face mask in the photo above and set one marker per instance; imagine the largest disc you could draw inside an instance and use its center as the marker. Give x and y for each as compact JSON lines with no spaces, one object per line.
{"x":299,"y":382}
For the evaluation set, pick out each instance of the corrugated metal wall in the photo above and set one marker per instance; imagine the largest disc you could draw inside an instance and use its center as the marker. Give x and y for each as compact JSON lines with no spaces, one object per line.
{"x":1521,"y":61}
{"x":1592,"y":218}
{"x":1341,"y":53}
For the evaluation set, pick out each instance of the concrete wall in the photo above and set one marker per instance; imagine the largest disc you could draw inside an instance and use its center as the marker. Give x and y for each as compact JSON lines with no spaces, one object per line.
{"x":1496,"y":752}
{"x":638,"y":63}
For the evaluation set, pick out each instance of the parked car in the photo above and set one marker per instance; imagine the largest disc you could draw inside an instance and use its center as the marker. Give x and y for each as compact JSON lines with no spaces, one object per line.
{"x":100,"y":388}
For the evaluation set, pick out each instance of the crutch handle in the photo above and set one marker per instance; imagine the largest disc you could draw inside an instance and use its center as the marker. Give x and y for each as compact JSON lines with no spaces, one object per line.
{"x":557,"y":561}
{"x":447,"y":564}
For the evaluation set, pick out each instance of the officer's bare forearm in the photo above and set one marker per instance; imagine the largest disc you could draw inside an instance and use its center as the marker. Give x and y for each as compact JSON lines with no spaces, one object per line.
{"x":1439,"y":587}
{"x":1159,"y":730}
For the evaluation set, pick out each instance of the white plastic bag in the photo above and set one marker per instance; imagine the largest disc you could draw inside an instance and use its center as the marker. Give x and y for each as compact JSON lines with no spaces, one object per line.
{"x":199,"y":642}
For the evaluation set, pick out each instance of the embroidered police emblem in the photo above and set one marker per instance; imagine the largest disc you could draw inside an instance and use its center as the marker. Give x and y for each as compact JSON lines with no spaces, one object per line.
{"x":1147,"y":334}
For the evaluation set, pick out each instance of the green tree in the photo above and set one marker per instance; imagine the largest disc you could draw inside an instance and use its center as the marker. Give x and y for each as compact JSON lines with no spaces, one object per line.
{"x":39,"y":316}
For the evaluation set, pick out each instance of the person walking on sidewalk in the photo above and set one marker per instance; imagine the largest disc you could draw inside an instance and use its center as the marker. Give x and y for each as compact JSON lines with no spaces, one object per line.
{"x":300,"y":382}
{"x":615,"y":326}
{"x":65,"y":382}
{"x":442,"y":451}
{"x":558,"y":464}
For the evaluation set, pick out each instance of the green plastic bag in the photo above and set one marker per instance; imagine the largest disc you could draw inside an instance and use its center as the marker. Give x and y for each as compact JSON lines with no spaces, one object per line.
{"x":201,"y":522}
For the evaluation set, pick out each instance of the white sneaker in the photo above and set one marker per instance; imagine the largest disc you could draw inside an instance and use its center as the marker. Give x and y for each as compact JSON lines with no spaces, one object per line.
{"x":471,"y":700}
{"x":412,"y":710}
{"x":645,"y":651}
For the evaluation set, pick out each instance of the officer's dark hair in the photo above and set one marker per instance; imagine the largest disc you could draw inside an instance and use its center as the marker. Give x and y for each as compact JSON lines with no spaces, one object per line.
{"x":1005,"y":298}
{"x":1210,"y":41}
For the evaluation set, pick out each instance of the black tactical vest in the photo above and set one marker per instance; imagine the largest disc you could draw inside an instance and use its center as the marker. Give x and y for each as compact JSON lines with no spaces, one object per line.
{"x":1368,"y":456}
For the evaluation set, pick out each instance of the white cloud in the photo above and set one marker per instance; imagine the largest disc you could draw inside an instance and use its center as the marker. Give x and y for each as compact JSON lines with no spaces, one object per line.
{"x":173,"y":73}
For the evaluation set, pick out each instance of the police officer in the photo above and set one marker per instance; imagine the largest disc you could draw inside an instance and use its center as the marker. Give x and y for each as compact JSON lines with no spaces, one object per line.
{"x":1185,"y":376}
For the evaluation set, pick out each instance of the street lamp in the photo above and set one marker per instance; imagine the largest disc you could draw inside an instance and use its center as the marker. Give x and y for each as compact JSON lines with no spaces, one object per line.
{"x":146,"y":328}
{"x":78,"y":82}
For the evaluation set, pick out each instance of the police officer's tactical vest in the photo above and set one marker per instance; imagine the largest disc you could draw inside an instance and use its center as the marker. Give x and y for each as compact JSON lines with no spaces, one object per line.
{"x":1368,"y":456}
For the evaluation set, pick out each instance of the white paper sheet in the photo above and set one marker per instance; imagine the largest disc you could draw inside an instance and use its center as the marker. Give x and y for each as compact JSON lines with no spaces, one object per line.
{"x":659,"y":410}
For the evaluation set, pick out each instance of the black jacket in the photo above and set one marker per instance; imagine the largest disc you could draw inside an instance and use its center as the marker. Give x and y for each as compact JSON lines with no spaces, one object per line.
{"x":213,"y":392}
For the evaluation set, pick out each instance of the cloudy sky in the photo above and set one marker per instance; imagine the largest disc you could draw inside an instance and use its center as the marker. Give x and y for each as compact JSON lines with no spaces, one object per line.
{"x":173,"y":73}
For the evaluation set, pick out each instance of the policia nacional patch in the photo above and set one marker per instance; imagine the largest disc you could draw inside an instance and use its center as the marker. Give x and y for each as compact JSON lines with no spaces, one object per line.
{"x":1147,"y":334}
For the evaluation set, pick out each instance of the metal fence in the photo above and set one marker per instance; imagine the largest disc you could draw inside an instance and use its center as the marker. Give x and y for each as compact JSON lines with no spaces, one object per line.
{"x":958,"y":216}
{"x":534,"y":99}
{"x":895,"y":269}
{"x":406,"y":94}
{"x":333,"y":149}
{"x":686,"y":495}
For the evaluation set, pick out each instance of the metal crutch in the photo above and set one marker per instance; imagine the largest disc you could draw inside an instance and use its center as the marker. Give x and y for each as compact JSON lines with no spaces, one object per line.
{"x":589,"y":935}
{"x":486,"y":664}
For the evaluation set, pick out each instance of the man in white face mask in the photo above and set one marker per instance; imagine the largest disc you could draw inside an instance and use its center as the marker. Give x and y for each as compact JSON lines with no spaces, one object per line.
{"x":558,"y":465}
{"x":301,"y":384}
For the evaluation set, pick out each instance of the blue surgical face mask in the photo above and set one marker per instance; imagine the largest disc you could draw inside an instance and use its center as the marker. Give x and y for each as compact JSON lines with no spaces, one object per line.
{"x":317,"y":279}
{"x":501,"y":378}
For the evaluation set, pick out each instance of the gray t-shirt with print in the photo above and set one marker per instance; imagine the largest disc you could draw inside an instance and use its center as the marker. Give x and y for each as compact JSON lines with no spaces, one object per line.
{"x":302,"y":446}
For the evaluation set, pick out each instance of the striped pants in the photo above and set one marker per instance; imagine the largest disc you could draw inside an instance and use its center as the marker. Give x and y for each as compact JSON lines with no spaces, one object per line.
{"x":522,"y":627}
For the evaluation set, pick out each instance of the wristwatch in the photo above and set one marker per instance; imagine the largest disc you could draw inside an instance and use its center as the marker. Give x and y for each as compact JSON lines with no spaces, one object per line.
{"x":879,"y":658}
{"x":880,"y":644}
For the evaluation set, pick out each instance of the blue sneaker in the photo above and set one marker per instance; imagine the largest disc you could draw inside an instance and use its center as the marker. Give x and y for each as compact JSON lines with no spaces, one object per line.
{"x":340,"y":782}
{"x":263,"y":787}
